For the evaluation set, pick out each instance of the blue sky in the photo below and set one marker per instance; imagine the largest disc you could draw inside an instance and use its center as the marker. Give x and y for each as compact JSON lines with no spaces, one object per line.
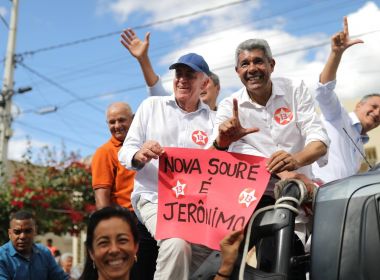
{"x":82,"y":79}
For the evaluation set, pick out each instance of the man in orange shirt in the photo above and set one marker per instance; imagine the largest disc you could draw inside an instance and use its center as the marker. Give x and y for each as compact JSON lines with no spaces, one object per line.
{"x":113,"y":184}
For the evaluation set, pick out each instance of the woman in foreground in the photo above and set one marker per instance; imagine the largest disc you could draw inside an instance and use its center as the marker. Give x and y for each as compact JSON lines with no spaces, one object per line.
{"x":112,"y":244}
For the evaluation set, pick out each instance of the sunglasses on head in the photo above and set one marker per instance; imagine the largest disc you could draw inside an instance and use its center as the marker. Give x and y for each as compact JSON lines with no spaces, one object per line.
{"x":19,"y":231}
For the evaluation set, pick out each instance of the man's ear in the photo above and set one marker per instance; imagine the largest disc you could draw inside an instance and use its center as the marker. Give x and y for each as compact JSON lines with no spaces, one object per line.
{"x":9,"y":233}
{"x":204,"y":84}
{"x":236,"y":69}
{"x":272,"y":63}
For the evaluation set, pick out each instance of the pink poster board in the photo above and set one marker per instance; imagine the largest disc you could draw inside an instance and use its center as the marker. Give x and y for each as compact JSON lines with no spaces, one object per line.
{"x":204,"y":194}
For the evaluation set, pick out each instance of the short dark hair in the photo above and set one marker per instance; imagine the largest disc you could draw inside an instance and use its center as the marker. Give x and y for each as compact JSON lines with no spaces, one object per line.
{"x":22,"y":215}
{"x":89,"y":272}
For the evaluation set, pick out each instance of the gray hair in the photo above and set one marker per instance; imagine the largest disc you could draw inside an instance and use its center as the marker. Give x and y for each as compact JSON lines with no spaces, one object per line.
{"x":252,"y":44}
{"x":368,"y":96}
{"x":214,"y":78}
{"x":65,"y":256}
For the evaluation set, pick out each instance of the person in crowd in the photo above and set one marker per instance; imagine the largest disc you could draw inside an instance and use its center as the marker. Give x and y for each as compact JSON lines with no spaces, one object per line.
{"x":113,"y":183}
{"x":270,"y":117}
{"x":347,"y":131}
{"x":57,"y":255}
{"x":21,"y":258}
{"x":211,"y":93}
{"x":49,"y":244}
{"x":179,"y":120}
{"x":66,"y":262}
{"x":112,"y":243}
{"x":139,"y":50}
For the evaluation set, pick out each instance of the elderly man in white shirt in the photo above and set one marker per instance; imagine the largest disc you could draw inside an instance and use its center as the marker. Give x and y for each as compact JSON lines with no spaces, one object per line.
{"x":167,"y":121}
{"x":347,"y":131}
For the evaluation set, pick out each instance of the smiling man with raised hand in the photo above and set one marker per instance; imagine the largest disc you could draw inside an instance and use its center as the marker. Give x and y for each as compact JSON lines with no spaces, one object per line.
{"x":139,"y":49}
{"x":168,"y":121}
{"x":342,"y":127}
{"x":21,"y":258}
{"x":287,"y":129}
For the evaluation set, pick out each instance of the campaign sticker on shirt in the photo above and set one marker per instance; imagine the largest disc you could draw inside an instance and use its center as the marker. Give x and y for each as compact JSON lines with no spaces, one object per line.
{"x":283,"y":115}
{"x":200,"y":137}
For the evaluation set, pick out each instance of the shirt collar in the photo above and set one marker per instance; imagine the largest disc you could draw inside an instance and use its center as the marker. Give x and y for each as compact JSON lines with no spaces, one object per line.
{"x":201,"y":106}
{"x":276,"y":91}
{"x":358,"y":127}
{"x":116,"y":142}
{"x":13,"y":252}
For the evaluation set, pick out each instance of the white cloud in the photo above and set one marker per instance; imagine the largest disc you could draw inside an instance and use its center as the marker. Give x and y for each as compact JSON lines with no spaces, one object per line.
{"x":357,"y":75}
{"x":159,"y":10}
{"x":18,"y":147}
{"x":358,"y":72}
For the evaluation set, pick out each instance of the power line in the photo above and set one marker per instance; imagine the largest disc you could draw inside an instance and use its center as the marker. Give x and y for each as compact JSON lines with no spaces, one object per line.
{"x":55,"y":134}
{"x":50,"y":81}
{"x":120,"y":91}
{"x":97,"y":37}
{"x":222,"y":29}
{"x":4,"y":21}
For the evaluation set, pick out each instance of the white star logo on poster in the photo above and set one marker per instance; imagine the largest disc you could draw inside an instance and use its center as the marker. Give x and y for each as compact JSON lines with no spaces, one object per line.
{"x":200,"y":137}
{"x":179,"y":189}
{"x":247,"y":196}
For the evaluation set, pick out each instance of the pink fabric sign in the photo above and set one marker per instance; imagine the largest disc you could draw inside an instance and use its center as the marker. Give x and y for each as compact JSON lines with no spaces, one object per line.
{"x":204,"y":194}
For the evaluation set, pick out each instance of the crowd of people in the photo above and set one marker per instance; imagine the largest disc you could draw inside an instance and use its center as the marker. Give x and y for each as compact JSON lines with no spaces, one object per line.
{"x":269,"y":117}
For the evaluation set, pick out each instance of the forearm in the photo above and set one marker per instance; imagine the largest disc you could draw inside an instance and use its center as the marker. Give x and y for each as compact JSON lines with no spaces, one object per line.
{"x":102,"y":196}
{"x":150,"y":76}
{"x":331,"y":67}
{"x":224,"y":271}
{"x":312,"y":152}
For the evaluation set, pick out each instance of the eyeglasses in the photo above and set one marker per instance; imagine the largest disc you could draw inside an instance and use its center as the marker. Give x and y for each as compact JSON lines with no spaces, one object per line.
{"x":19,"y":231}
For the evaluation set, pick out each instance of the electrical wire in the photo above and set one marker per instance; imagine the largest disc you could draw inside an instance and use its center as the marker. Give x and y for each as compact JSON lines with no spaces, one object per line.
{"x":158,"y":22}
{"x":27,"y":125}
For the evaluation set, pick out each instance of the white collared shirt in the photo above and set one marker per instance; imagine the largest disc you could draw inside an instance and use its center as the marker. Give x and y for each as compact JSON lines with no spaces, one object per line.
{"x":159,"y":118}
{"x":288,"y":121}
{"x":344,"y":158}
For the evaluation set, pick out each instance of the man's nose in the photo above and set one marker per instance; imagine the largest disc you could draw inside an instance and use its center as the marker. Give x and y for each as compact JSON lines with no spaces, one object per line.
{"x":251,"y":67}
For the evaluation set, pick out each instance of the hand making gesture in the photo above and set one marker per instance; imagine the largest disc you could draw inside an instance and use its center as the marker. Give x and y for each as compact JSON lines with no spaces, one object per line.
{"x":134,"y":45}
{"x":341,"y":40}
{"x":231,"y":129}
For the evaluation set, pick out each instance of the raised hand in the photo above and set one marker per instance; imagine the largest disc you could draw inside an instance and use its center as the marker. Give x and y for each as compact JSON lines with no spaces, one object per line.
{"x":231,"y":129}
{"x":133,"y":44}
{"x":341,"y":40}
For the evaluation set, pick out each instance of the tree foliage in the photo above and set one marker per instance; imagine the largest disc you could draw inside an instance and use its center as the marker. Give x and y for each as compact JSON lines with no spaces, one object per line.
{"x":59,"y":193}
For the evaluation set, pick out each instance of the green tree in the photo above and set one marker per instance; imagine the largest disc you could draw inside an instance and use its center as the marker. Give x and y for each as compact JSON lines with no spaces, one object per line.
{"x":58,"y":192}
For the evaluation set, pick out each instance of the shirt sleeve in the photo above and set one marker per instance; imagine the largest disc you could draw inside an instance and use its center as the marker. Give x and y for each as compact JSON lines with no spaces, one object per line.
{"x":309,"y":122}
{"x":158,"y":89}
{"x":136,"y":136}
{"x":102,"y":168}
{"x":328,"y":101}
{"x":4,"y":274}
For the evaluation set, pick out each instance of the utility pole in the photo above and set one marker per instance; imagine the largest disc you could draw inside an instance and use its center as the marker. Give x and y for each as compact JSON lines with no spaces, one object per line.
{"x":7,"y":90}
